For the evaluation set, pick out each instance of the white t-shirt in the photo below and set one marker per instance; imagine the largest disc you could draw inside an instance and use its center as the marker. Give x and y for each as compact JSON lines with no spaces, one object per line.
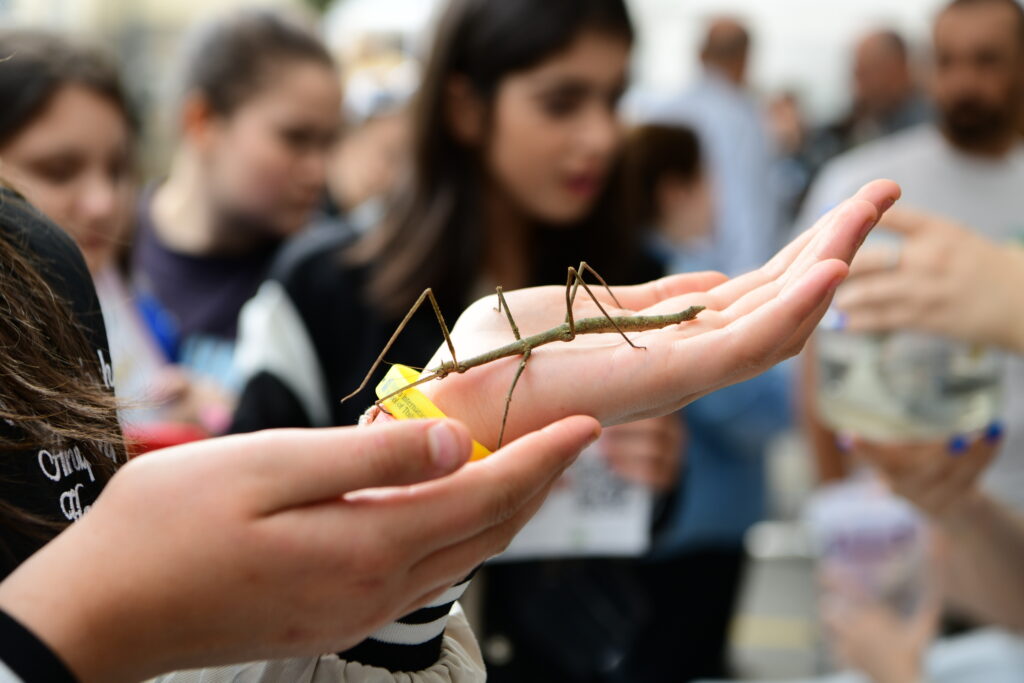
{"x":984,"y":193}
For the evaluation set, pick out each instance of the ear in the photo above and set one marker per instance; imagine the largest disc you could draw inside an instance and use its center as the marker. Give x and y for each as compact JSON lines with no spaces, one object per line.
{"x":464,"y":111}
{"x":198,"y":120}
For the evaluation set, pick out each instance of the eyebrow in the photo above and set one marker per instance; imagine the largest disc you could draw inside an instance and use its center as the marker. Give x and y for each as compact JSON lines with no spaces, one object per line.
{"x":575,"y":84}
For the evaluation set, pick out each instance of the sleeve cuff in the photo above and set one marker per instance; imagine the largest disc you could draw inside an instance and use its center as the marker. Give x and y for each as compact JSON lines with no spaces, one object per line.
{"x":27,"y":657}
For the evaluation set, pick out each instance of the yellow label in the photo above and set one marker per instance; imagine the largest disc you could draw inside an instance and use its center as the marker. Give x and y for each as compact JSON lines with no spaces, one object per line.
{"x":412,"y":404}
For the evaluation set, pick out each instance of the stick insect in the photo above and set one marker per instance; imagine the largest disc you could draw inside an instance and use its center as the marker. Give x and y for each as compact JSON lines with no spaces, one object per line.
{"x":524,"y":346}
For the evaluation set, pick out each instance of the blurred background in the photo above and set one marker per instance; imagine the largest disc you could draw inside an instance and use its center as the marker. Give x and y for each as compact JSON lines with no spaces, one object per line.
{"x":800,"y":46}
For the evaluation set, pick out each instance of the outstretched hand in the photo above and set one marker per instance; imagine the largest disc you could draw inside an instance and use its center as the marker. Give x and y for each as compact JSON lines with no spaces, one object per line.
{"x":750,"y":323}
{"x":277,"y":544}
{"x":944,"y":278}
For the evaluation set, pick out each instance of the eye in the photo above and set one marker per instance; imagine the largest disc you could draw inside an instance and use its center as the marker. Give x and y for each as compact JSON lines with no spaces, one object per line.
{"x":561,"y":103}
{"x":118,"y":167}
{"x":298,"y":139}
{"x":58,"y":170}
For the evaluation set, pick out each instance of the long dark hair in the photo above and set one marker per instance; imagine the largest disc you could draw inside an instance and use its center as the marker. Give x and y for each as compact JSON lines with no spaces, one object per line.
{"x":51,"y":391}
{"x":433,"y":235}
{"x":34,"y":65}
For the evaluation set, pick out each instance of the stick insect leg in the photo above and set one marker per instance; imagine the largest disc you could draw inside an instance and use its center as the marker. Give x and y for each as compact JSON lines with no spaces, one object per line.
{"x":586,"y":287}
{"x":583,"y":269}
{"x":508,"y":313}
{"x":427,"y":294}
{"x":522,"y":362}
{"x":586,"y":268}
{"x":410,"y":385}
{"x":508,"y":396}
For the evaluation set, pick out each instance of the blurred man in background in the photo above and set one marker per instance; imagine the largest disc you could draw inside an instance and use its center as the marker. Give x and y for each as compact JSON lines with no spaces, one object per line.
{"x":968,"y":166}
{"x":885,"y":97}
{"x":733,"y":133}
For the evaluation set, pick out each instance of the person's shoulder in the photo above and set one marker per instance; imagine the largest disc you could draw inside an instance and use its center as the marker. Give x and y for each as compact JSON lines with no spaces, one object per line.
{"x":1016,"y":156}
{"x":899,"y":149}
{"x":893,"y":156}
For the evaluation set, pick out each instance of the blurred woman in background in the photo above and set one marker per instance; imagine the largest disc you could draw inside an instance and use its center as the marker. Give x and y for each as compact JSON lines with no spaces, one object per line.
{"x":67,"y":142}
{"x":260,"y":108}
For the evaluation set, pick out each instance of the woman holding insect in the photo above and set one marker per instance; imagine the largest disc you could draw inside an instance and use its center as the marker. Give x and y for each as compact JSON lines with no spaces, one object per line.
{"x":515,"y":140}
{"x":515,"y":144}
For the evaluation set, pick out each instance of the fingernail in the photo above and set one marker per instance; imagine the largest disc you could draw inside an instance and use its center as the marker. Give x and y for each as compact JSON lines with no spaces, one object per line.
{"x":443,"y":445}
{"x":844,"y":442}
{"x":994,"y":432}
{"x":958,"y":445}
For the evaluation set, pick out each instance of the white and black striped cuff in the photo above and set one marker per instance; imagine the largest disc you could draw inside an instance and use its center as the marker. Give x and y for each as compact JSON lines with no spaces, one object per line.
{"x":413,"y":642}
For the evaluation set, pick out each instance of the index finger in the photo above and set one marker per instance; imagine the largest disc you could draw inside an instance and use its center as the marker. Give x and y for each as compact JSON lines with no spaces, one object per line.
{"x":639,"y":297}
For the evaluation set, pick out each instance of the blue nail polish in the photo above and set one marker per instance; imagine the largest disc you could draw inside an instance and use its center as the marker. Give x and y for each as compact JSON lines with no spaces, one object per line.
{"x":994,"y":432}
{"x":841,"y":321}
{"x":958,"y":445}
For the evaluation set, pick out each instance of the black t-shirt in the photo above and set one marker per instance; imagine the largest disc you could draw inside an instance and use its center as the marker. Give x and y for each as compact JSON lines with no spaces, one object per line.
{"x":57,"y":483}
{"x":201,"y":294}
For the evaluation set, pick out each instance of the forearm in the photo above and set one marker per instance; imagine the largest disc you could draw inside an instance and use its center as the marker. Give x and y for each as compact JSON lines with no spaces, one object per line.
{"x":986,"y":559}
{"x":1014,"y":340}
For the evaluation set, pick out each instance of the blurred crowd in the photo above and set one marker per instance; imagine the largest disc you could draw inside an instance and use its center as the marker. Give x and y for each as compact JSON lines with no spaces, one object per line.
{"x":309,"y":201}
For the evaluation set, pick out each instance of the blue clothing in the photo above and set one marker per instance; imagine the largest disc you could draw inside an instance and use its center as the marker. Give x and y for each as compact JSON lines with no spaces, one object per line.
{"x":738,"y":153}
{"x":723,"y":490}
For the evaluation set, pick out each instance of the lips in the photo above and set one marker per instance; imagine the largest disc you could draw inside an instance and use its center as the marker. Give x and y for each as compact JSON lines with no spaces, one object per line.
{"x":584,"y":185}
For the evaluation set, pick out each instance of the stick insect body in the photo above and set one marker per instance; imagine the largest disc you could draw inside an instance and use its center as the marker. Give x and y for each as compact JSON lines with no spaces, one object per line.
{"x":524,"y":346}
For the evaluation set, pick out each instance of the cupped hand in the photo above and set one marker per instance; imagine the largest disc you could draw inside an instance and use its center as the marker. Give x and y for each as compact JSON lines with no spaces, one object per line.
{"x":938,"y":478}
{"x":280,"y":543}
{"x":943,"y":278}
{"x":870,"y":637}
{"x":646,"y":452}
{"x":751,"y":323}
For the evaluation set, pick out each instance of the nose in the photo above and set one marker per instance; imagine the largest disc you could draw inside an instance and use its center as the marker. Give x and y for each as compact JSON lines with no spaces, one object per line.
{"x":98,"y":199}
{"x":312,"y":169}
{"x":601,"y":131}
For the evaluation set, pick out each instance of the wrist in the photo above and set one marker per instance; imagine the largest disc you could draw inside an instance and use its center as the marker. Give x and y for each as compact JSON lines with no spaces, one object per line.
{"x":91,"y":616}
{"x":67,"y":622}
{"x":961,"y":516}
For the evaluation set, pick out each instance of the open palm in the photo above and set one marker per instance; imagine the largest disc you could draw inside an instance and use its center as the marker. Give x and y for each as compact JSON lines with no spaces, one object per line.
{"x":750,"y":323}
